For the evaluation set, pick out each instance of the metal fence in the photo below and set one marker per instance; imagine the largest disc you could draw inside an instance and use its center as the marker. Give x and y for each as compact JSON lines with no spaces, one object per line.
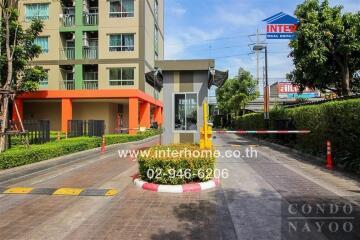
{"x":91,"y":128}
{"x":36,"y":132}
{"x":291,"y":105}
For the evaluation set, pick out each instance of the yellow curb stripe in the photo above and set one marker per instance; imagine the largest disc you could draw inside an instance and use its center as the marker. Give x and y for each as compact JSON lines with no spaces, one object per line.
{"x":18,"y":190}
{"x":68,"y":191}
{"x":111,"y":192}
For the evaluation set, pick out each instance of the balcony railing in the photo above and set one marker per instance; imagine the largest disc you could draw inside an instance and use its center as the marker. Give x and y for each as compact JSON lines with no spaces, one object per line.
{"x":90,"y":52}
{"x":91,"y":19}
{"x":68,"y":18}
{"x":67,"y":53}
{"x":90,"y":80}
{"x":67,"y":85}
{"x":90,"y":84}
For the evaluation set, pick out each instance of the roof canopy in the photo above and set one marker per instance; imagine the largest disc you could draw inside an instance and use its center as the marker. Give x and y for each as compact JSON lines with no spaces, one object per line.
{"x":155,"y":79}
{"x":217,"y":78}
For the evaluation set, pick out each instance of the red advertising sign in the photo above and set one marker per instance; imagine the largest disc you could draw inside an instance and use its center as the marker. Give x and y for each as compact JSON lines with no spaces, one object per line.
{"x":284,"y":87}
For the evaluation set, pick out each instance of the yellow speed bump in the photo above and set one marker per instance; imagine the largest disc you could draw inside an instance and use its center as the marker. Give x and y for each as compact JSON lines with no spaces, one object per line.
{"x":68,"y":191}
{"x":18,"y":190}
{"x":111,"y":192}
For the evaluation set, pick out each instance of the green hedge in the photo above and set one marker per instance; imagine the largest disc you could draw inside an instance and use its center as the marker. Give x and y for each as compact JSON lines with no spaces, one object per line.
{"x":21,"y":155}
{"x":338,"y":121}
{"x":157,"y":166}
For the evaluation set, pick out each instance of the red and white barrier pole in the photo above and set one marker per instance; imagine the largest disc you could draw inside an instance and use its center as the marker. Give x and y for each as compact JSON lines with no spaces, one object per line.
{"x":265,"y":132}
{"x":103,"y":144}
{"x":329,"y":160}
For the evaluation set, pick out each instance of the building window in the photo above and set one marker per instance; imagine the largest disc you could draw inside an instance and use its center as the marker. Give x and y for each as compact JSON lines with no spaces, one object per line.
{"x":37,"y":11}
{"x":156,"y":9}
{"x":156,"y":39}
{"x":121,"y":8}
{"x":42,"y":42}
{"x":45,"y":81}
{"x":186,"y":110}
{"x":121,"y":76}
{"x":121,"y":42}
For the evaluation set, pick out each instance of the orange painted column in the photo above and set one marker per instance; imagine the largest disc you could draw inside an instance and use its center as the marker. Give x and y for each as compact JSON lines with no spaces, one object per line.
{"x":133,"y":115}
{"x":20,"y":107}
{"x":158,"y":115}
{"x":145,"y":114}
{"x":66,"y":113}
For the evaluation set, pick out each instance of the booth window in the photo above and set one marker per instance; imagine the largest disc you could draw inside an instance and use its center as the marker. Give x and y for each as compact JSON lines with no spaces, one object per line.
{"x":185,"y":105}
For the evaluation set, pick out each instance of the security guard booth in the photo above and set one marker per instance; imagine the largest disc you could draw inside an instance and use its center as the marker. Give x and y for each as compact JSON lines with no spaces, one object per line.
{"x":185,"y":90}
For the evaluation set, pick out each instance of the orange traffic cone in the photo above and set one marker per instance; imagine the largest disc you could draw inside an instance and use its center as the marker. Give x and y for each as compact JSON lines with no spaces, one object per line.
{"x":329,"y":160}
{"x":103,"y":145}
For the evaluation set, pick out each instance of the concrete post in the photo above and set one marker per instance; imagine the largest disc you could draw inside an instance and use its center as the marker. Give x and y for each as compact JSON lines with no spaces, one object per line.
{"x":66,"y":113}
{"x":133,"y":115}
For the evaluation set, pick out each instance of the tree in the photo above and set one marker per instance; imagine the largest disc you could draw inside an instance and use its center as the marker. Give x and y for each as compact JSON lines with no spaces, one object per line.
{"x":17,"y":50}
{"x":236,"y":93}
{"x":326,"y":51}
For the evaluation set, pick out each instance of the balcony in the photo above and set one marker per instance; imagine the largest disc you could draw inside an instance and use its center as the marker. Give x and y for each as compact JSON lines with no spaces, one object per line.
{"x":68,"y":19}
{"x":90,"y":81}
{"x":91,"y":19}
{"x":67,"y":53}
{"x":67,"y":85}
{"x":90,"y":52}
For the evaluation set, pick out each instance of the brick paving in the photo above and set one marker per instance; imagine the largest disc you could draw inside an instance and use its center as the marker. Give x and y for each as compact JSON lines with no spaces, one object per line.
{"x":248,"y":205}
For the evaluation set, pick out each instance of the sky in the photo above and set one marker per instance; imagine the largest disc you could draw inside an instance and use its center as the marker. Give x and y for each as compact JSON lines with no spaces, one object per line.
{"x":220,"y":29}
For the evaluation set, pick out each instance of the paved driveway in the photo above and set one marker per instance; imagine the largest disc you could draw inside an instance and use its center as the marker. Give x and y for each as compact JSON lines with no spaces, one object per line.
{"x":252,"y":203}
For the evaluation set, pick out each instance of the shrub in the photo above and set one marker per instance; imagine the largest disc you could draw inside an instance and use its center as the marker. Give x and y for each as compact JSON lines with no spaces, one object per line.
{"x":337,"y":121}
{"x":159,"y":165}
{"x":21,"y":155}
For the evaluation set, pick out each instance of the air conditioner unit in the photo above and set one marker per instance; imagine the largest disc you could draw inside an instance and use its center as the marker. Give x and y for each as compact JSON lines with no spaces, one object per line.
{"x":86,"y":40}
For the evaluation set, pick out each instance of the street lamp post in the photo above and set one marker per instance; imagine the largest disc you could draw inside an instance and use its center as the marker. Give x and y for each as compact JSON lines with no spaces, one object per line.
{"x":258,"y":47}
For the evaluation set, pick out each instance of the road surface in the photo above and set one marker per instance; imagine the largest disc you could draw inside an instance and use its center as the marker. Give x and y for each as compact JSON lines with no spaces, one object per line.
{"x":258,"y":200}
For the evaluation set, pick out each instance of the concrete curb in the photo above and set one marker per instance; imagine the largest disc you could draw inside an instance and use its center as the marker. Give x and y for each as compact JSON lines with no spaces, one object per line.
{"x":191,"y":187}
{"x":26,"y":170}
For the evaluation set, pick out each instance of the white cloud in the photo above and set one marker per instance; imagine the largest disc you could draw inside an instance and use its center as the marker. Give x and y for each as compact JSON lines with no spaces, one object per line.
{"x":178,"y":41}
{"x":238,"y":18}
{"x":174,"y":48}
{"x":177,"y":11}
{"x":349,"y":5}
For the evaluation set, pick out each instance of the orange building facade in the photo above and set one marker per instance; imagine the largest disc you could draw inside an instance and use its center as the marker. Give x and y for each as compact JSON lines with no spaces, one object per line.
{"x":97,"y":57}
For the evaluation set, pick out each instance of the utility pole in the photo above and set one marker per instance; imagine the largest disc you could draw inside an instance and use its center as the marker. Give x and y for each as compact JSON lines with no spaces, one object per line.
{"x":266,"y":85}
{"x":257,"y":61}
{"x":256,"y":40}
{"x":266,"y":92}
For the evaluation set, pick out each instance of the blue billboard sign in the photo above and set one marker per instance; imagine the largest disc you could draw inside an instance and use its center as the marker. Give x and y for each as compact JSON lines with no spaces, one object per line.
{"x":281,"y":26}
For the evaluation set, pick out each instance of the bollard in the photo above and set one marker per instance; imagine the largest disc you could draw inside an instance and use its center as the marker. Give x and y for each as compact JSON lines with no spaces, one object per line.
{"x":58,"y":136}
{"x":66,"y":135}
{"x":329,"y":160}
{"x":103,"y":144}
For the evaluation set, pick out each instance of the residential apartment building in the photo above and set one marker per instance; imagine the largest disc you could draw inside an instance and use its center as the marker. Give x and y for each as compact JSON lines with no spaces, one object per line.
{"x":97,"y":54}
